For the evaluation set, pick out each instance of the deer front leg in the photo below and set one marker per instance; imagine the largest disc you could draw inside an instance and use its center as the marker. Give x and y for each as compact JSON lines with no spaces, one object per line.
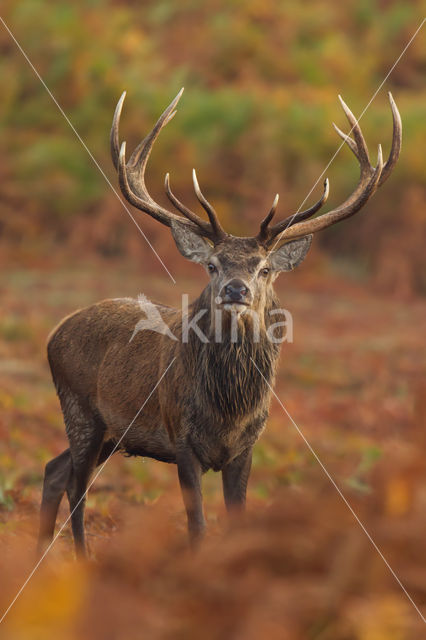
{"x":235,"y":476}
{"x":189,"y":471}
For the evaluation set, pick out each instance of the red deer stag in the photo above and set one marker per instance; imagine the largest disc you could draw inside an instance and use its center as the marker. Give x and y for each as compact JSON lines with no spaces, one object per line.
{"x":211,"y":405}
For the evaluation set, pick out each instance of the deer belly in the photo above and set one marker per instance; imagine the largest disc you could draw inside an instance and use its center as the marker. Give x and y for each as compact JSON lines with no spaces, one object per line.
{"x":142,"y":437}
{"x":154,"y":444}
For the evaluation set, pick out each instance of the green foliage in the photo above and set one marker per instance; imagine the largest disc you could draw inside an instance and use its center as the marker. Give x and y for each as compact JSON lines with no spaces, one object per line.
{"x":262,"y":80}
{"x":357,"y":481}
{"x":14,"y":329}
{"x":6,"y":484}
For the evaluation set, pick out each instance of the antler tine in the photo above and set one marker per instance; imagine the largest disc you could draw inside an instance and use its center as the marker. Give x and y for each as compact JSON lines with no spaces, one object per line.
{"x":308,"y":213}
{"x":361,"y":147}
{"x":263,"y":233}
{"x":370,"y":179}
{"x":295,"y":218}
{"x":351,"y":143}
{"x":214,"y":220}
{"x":182,"y":208}
{"x":114,"y":137}
{"x":396,"y":142}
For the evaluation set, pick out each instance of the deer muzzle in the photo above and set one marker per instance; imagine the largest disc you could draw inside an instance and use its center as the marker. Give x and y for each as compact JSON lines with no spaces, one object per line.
{"x":236,"y":292}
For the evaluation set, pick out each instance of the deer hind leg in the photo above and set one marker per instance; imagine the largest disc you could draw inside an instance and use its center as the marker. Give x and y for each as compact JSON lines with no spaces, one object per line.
{"x":85,"y":430}
{"x":57,"y":477}
{"x":77,"y":488}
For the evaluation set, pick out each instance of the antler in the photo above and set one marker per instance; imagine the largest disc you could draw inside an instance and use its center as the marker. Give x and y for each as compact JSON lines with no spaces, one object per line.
{"x":370,"y":179}
{"x":267,"y":233}
{"x":132,"y":179}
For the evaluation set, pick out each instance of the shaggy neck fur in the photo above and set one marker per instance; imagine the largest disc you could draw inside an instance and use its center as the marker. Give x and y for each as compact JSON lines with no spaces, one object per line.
{"x":224,"y":374}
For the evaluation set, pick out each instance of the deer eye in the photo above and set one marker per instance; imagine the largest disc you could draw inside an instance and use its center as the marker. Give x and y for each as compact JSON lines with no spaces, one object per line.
{"x":265,"y":271}
{"x":211,"y":268}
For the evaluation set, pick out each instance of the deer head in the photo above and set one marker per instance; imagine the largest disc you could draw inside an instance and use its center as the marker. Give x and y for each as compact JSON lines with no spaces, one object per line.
{"x":242,"y":269}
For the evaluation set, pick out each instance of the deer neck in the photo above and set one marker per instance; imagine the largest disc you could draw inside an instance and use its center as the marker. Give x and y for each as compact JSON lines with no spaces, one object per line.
{"x":233,"y":374}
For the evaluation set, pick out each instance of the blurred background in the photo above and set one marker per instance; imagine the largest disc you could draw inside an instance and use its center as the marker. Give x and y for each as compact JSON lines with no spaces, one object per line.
{"x":261,"y":83}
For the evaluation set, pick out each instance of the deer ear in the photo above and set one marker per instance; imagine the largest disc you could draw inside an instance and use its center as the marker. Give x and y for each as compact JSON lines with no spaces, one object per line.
{"x":189,"y":243}
{"x":291,"y":254}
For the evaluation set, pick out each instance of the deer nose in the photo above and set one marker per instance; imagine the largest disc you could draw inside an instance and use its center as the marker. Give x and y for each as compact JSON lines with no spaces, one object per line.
{"x":236,"y":290}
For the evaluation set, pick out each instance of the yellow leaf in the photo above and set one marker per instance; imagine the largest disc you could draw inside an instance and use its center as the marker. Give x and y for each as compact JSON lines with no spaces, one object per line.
{"x":47,"y":607}
{"x":398,"y":496}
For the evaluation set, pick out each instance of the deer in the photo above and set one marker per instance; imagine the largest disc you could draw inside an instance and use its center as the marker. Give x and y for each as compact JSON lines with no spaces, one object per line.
{"x":198,"y":404}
